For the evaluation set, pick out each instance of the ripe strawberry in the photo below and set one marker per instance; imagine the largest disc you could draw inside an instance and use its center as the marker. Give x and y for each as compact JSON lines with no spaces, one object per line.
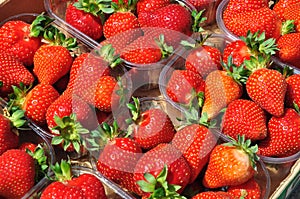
{"x":213,"y":195}
{"x":281,"y":6}
{"x":36,"y":101}
{"x":230,"y":164}
{"x":263,"y":20}
{"x":289,"y":48}
{"x":292,"y":12}
{"x":195,"y":142}
{"x":293,"y":91}
{"x":17,"y":172}
{"x":220,"y":90}
{"x":172,"y":16}
{"x":16,"y":39}
{"x":150,"y":5}
{"x":28,"y":146}
{"x":267,"y":88}
{"x":86,"y":16}
{"x":51,"y":63}
{"x":12,"y":72}
{"x":184,"y":86}
{"x":77,"y":64}
{"x":247,"y":190}
{"x":239,"y":52}
{"x":151,"y":126}
{"x":283,"y":138}
{"x":145,"y":50}
{"x":154,"y":161}
{"x":244,"y":117}
{"x":68,"y":185}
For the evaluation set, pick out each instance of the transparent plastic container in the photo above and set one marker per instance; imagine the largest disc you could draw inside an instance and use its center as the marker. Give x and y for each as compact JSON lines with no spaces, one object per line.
{"x":112,"y":190}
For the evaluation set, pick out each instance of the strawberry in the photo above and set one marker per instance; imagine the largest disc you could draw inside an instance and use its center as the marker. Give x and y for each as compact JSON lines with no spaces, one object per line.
{"x":292,"y":91}
{"x":263,"y":20}
{"x":36,"y":101}
{"x":281,"y":6}
{"x":195,"y":142}
{"x":154,"y":162}
{"x":66,"y":184}
{"x":244,"y":117}
{"x":17,"y":39}
{"x":86,"y":16}
{"x":283,"y":138}
{"x":267,"y":87}
{"x":184,"y":86}
{"x":28,"y":146}
{"x":230,"y":164}
{"x":289,"y":48}
{"x":145,"y":50}
{"x":150,"y":5}
{"x":118,"y":157}
{"x":151,"y":126}
{"x":292,"y":12}
{"x":172,"y":16}
{"x":213,"y":195}
{"x":12,"y":72}
{"x":17,"y":172}
{"x":239,"y":52}
{"x":247,"y":190}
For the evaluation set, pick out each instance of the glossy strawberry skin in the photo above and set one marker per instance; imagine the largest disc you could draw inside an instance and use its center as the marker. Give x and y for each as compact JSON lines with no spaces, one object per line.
{"x":155,"y":127}
{"x":37,"y":102}
{"x":8,"y":139}
{"x":251,"y":188}
{"x":117,"y":161}
{"x":183,"y":84}
{"x":83,"y":186}
{"x":244,"y":117}
{"x":154,"y":160}
{"x":195,"y":142}
{"x":292,"y":12}
{"x":17,"y":172}
{"x":282,"y":5}
{"x":293,"y":91}
{"x":283,"y":138}
{"x":15,"y":40}
{"x":203,"y":60}
{"x":85,"y":22}
{"x":13,"y":72}
{"x":150,"y":5}
{"x":51,"y":63}
{"x":267,"y":87}
{"x":213,"y":195}
{"x":28,"y":146}
{"x":239,"y":52}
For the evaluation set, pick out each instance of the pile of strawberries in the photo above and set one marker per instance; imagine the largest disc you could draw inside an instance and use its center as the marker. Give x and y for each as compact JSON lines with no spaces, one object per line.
{"x":280,"y":21}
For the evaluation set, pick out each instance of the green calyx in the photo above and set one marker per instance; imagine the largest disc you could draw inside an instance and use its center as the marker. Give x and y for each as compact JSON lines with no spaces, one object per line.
{"x":134,"y":110}
{"x":245,"y":145}
{"x":18,"y":97}
{"x":62,"y":171}
{"x":95,"y":7}
{"x":158,"y":187}
{"x":40,"y":25}
{"x":122,"y":92}
{"x":121,"y":6}
{"x":41,"y":163}
{"x":199,"y":41}
{"x":198,"y":21}
{"x":166,"y":50}
{"x":107,"y":52}
{"x":69,"y":132}
{"x":288,"y":27}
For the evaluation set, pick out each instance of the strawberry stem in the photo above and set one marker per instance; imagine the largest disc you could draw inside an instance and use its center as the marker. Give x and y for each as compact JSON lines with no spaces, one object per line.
{"x":95,"y":7}
{"x":198,"y":21}
{"x":62,"y":171}
{"x":165,"y":49}
{"x":287,"y":27}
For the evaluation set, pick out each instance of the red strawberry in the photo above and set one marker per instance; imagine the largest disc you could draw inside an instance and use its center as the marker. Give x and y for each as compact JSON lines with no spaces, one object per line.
{"x":292,"y":12}
{"x":35,"y":102}
{"x":16,"y":39}
{"x":154,"y":161}
{"x":69,"y":185}
{"x":184,"y":86}
{"x":281,"y":6}
{"x":263,"y":20}
{"x":151,"y":126}
{"x":244,"y":117}
{"x":17,"y":172}
{"x":239,"y":52}
{"x":12,"y":72}
{"x":289,"y":48}
{"x":28,"y":146}
{"x":195,"y":143}
{"x":51,"y":63}
{"x":247,"y":190}
{"x":213,"y":195}
{"x":172,"y":16}
{"x":86,"y":17}
{"x":230,"y":164}
{"x":267,"y":88}
{"x":283,"y":138}
{"x":293,"y":91}
{"x":150,"y":5}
